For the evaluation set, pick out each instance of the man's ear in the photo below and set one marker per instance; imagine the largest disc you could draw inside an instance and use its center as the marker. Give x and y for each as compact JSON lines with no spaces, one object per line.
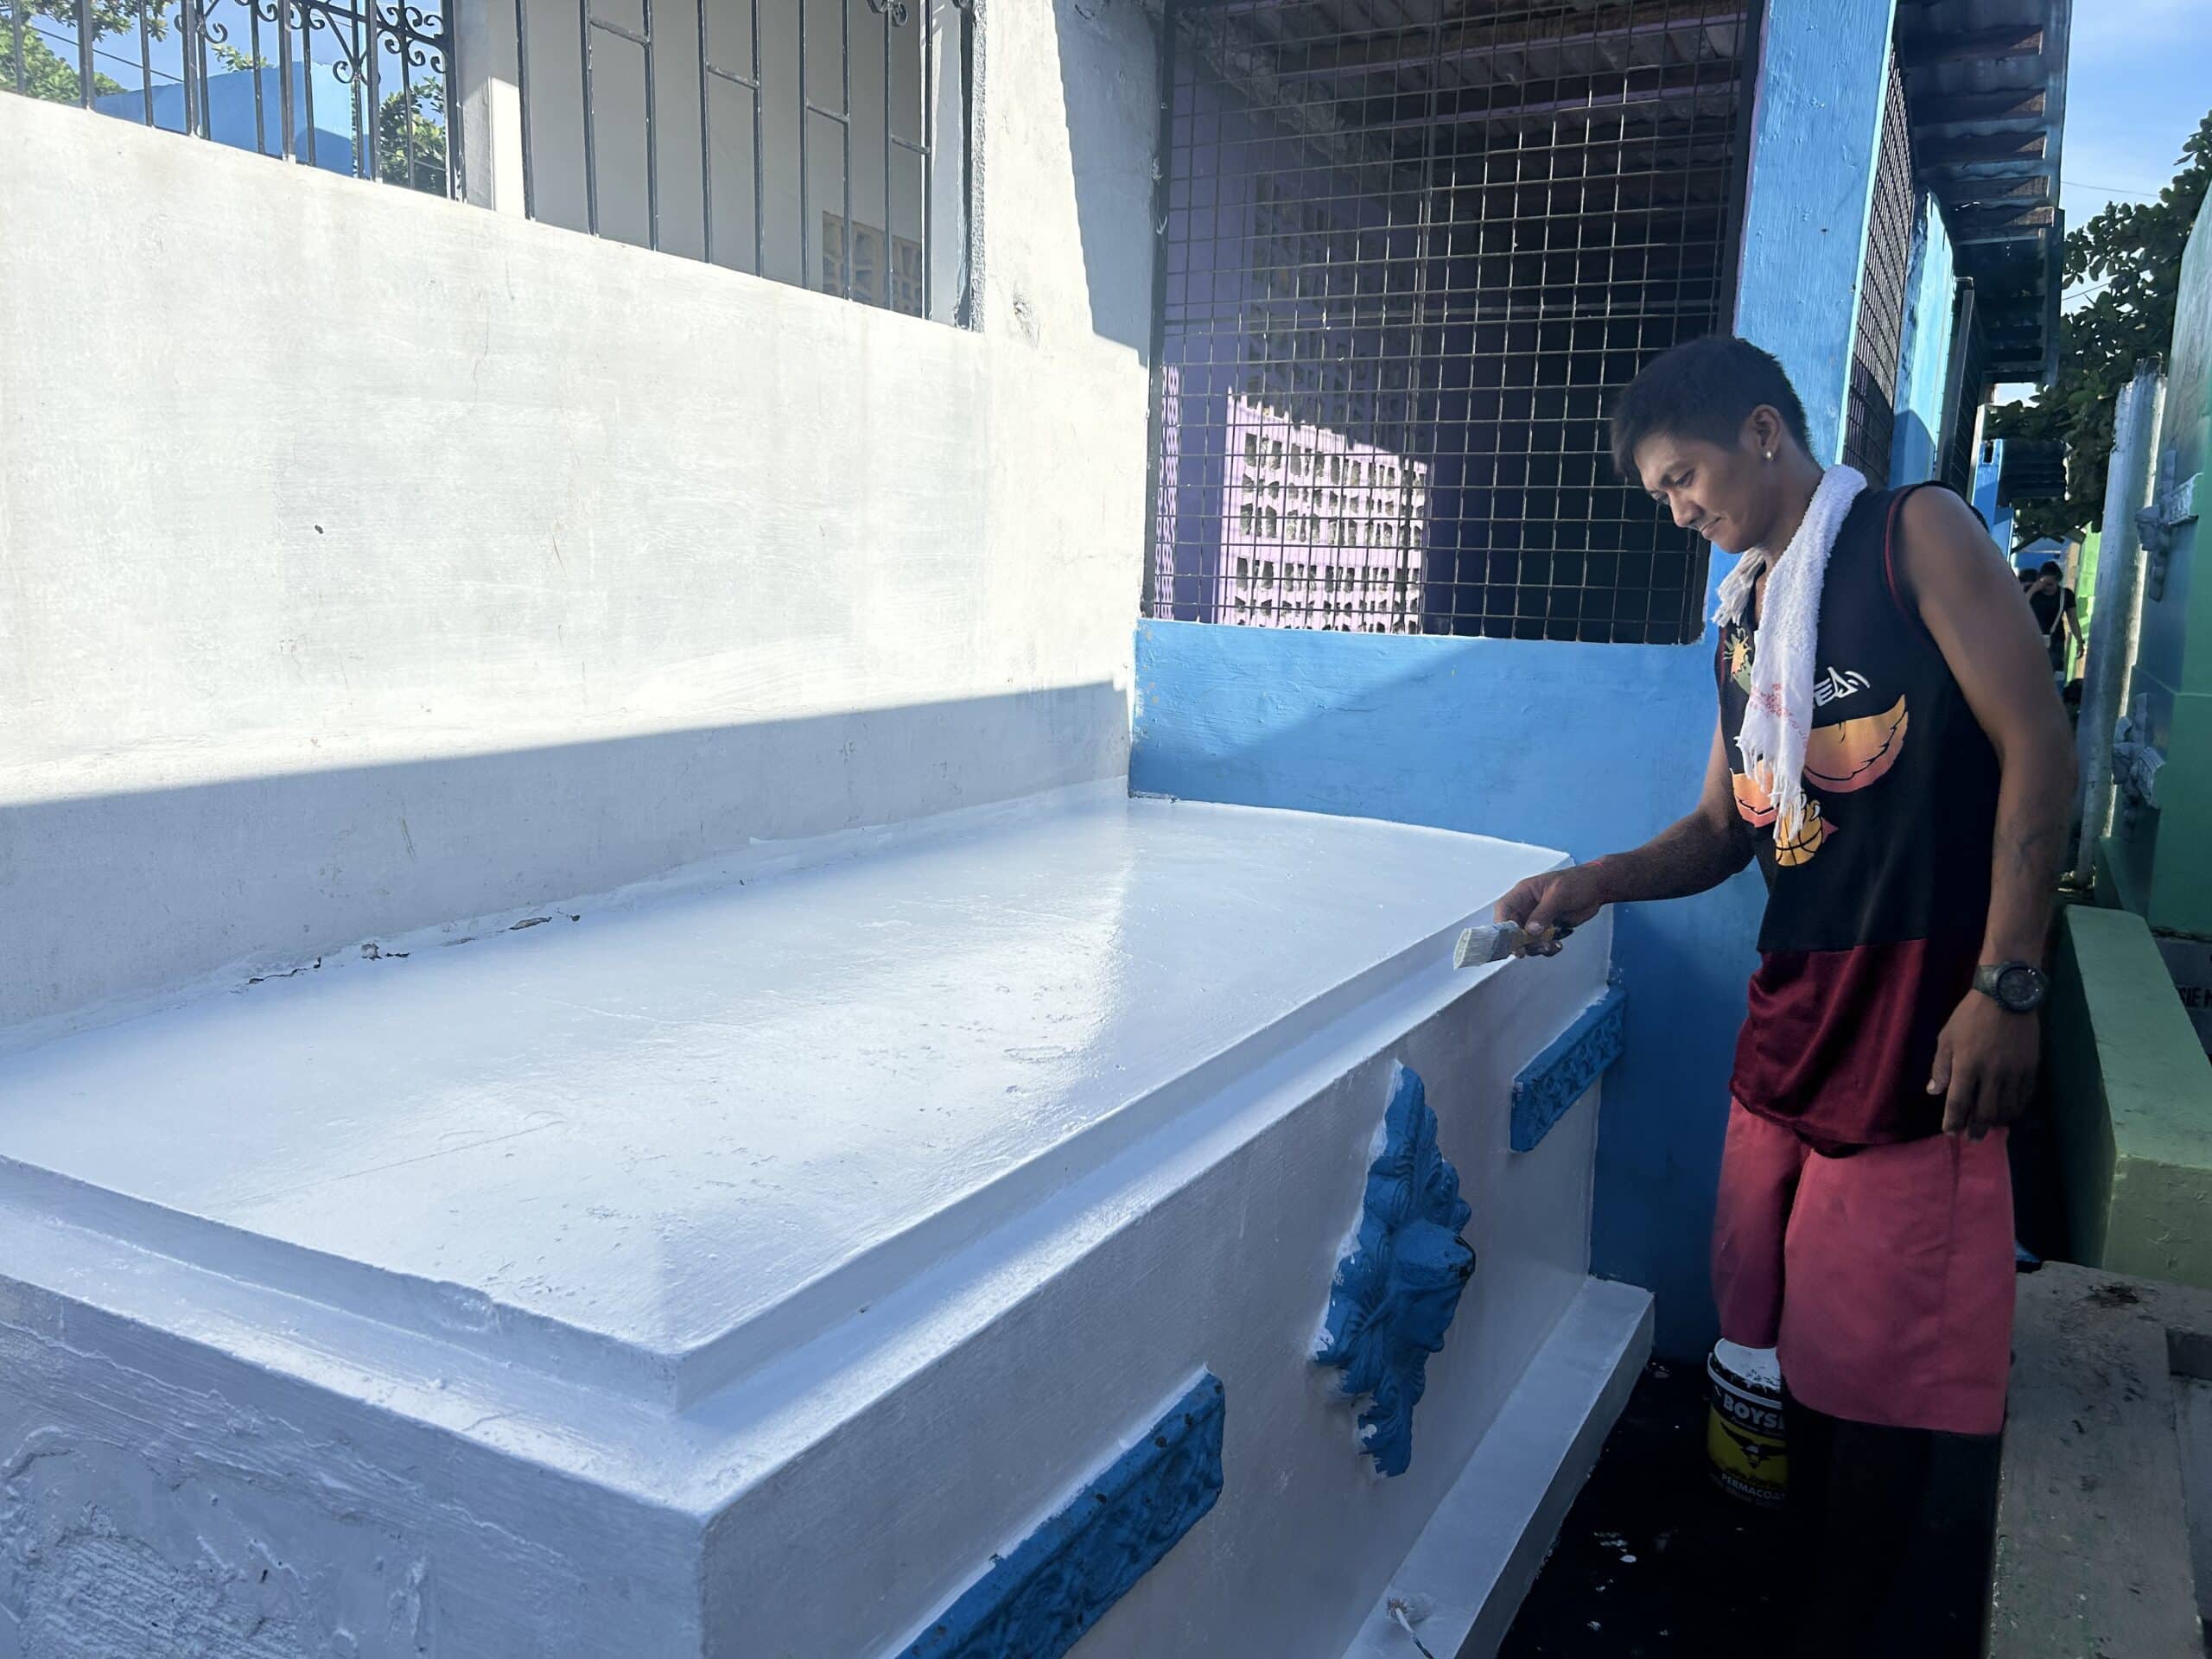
{"x":1763,"y":429}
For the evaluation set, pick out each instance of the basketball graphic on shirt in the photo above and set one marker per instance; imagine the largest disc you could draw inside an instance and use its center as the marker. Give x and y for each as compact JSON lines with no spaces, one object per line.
{"x":1813,"y":831}
{"x":1840,"y":757}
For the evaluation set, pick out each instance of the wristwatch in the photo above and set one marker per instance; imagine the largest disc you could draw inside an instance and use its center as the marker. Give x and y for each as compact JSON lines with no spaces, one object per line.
{"x":2017,"y":987}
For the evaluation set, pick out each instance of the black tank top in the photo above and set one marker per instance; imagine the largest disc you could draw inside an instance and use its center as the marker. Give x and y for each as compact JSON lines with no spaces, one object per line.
{"x":1875,"y":911}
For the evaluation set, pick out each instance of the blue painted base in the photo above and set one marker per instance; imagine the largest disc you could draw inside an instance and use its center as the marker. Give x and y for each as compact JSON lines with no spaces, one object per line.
{"x":1570,"y":1062}
{"x":1395,"y":1293}
{"x":1038,"y":1601}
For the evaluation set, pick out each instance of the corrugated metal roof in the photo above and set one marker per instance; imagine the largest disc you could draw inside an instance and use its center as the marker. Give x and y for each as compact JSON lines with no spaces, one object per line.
{"x":1986,"y":81}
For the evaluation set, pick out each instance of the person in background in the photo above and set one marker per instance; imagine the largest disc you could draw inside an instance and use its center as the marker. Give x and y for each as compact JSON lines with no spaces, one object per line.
{"x":2052,"y":601}
{"x":1892,"y":750}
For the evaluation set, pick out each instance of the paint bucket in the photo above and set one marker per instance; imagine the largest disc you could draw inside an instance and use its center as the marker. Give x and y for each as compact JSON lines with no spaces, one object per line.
{"x":1743,"y":1431}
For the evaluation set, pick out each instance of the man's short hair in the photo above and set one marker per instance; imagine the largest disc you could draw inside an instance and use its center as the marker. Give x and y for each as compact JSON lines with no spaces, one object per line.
{"x":1702,"y":389}
{"x":2051,"y":568}
{"x":2029,"y":578}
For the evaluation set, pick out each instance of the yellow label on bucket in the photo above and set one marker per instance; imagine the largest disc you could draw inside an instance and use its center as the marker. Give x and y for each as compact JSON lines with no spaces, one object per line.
{"x":1751,"y":1465}
{"x":1743,"y":1434}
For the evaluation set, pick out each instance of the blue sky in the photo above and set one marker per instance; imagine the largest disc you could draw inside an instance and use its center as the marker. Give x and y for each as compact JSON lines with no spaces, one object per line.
{"x":2136,"y":87}
{"x":2137,"y":84}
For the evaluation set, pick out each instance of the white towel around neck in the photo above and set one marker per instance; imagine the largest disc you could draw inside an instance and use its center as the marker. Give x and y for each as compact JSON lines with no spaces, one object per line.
{"x":1778,"y":715}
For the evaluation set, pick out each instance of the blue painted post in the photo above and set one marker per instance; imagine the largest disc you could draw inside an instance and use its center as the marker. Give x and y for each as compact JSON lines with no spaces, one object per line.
{"x":1816,"y":126}
{"x":1924,"y":364}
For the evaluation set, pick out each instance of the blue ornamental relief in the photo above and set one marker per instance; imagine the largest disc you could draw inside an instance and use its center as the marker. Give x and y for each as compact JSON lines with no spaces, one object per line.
{"x":1038,"y":1599}
{"x":1570,"y":1062}
{"x":1396,"y":1292}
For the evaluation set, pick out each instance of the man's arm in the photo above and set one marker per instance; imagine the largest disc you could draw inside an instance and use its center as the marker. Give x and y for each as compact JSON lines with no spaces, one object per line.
{"x":1689,"y":855}
{"x":1986,"y":1061}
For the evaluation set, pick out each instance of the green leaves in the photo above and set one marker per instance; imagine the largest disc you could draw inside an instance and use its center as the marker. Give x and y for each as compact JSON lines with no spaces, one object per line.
{"x":2131,"y":254}
{"x":50,"y":73}
{"x":415,"y":116}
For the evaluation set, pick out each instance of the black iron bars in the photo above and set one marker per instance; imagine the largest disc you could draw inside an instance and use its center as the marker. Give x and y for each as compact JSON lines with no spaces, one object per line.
{"x":194,"y":77}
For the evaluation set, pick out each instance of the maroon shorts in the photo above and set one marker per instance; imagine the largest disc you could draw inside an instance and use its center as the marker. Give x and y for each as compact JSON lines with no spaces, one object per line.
{"x":1885,"y":1276}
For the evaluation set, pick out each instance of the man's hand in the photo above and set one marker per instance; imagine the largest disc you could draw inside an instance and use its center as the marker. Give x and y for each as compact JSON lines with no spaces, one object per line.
{"x":1986,"y":1063}
{"x":1565,"y":897}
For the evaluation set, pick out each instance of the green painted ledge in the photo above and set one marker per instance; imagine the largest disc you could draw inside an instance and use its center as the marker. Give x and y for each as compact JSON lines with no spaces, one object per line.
{"x":2132,"y":1093}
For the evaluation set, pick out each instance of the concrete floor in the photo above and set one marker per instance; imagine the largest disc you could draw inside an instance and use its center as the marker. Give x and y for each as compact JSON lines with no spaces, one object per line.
{"x":1654,"y":1558}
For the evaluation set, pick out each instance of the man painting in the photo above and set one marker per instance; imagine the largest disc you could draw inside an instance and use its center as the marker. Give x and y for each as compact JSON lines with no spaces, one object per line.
{"x":1892,"y":750}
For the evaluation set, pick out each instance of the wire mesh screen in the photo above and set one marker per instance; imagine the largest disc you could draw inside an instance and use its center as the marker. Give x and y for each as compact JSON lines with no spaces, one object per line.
{"x":1410,"y":248}
{"x":1870,"y":412}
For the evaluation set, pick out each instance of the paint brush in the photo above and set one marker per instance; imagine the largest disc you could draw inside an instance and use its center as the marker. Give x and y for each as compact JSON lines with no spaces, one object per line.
{"x":1489,"y":942}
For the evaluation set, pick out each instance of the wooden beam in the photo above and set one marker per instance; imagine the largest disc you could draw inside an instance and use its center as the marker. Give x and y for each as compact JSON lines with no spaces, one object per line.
{"x":1417,"y":48}
{"x":2000,"y":224}
{"x":1954,"y":109}
{"x":2014,"y":41}
{"x":1971,"y":192}
{"x":1985,"y":147}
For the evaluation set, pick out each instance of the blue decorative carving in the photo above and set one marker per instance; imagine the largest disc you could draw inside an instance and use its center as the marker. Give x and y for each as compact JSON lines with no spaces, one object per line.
{"x":1037,"y":1602}
{"x":1563,"y":1074}
{"x":1396,"y":1291}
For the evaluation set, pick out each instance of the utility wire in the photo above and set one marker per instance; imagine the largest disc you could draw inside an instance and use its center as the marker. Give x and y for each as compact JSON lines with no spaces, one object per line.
{"x":2108,"y":189}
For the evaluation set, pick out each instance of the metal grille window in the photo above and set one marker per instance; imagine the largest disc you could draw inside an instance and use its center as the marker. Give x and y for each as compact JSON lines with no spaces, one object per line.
{"x":1410,"y":247}
{"x":819,"y":142}
{"x":363,"y":89}
{"x":1870,"y":412}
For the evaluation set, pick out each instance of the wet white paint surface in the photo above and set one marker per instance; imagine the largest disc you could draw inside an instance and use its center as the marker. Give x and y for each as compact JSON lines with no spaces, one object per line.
{"x":665,"y":1141}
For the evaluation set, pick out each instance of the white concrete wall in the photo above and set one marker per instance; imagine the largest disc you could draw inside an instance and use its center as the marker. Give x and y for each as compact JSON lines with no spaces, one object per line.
{"x":368,"y":560}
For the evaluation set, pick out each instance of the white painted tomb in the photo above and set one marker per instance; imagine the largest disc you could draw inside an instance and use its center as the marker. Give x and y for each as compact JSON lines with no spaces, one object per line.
{"x":746,"y":1265}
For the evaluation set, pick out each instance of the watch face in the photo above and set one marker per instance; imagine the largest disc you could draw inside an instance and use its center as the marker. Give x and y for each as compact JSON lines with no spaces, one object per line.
{"x":2020,"y":988}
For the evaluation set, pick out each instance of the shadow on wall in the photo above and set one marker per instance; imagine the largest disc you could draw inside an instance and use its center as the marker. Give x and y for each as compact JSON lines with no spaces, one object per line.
{"x":120,"y":897}
{"x":1912,"y":450}
{"x":1587,"y":749}
{"x":1110,"y":74}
